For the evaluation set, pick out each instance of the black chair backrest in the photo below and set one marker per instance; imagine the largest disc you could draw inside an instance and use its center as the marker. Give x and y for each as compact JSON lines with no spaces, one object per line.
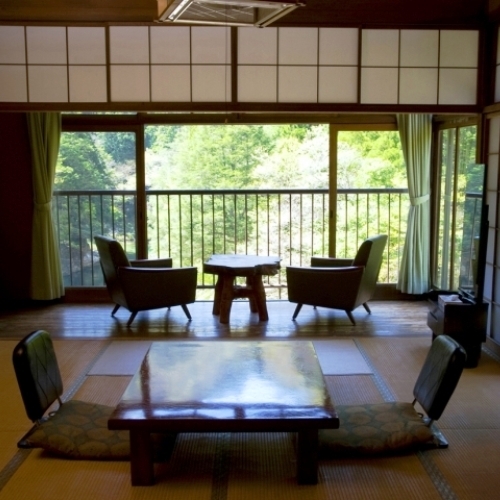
{"x":439,"y":376}
{"x":37,"y":373}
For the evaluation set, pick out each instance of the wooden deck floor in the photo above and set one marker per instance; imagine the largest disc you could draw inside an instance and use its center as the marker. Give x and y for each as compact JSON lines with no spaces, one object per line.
{"x":388,"y":318}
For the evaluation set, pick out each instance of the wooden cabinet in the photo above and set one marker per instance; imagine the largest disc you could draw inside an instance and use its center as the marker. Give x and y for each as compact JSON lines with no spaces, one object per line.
{"x":464,"y":322}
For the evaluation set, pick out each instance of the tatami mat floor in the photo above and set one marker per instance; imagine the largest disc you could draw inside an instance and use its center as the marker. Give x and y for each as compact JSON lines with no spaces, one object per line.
{"x":261,"y":466}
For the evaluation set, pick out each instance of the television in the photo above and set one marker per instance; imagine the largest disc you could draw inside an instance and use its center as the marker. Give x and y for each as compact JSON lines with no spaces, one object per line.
{"x":474,"y":236}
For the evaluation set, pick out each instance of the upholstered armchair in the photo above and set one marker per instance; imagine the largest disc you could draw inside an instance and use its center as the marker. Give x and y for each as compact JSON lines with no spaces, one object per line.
{"x":140,"y":285}
{"x":343,"y":284}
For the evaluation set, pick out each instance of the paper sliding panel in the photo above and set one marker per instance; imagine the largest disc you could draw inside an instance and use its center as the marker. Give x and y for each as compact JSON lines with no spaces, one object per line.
{"x":87,"y":84}
{"x":12,"y":46}
{"x":418,"y":86}
{"x":380,"y":48}
{"x":86,"y":45}
{"x":257,"y":46}
{"x":129,"y":44}
{"x":46,"y":45}
{"x":297,"y":84}
{"x":48,"y":83}
{"x":170,"y":45}
{"x":338,"y":46}
{"x":459,"y":49}
{"x":457,"y":86}
{"x":211,"y":83}
{"x":419,"y":48}
{"x":257,"y":83}
{"x":379,"y":85}
{"x":338,"y":84}
{"x":171,"y":83}
{"x":13,"y":84}
{"x":129,"y":83}
{"x":210,"y":45}
{"x":298,"y":46}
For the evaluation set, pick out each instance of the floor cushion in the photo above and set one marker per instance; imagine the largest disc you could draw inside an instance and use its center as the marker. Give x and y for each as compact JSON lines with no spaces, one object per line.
{"x":374,"y":429}
{"x":79,"y":430}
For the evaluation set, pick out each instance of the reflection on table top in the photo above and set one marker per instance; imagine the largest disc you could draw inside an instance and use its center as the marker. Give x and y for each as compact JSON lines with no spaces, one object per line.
{"x":229,"y":381}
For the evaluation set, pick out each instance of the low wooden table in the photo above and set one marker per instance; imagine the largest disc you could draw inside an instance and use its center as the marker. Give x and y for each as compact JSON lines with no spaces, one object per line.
{"x":226,"y":386}
{"x":252,"y":267}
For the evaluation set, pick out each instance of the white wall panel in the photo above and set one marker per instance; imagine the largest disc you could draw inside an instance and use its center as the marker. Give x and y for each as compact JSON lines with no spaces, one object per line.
{"x":170,"y":45}
{"x":492,"y":177}
{"x":379,"y":85}
{"x":258,"y":46}
{"x":48,"y":83}
{"x":13,"y":86}
{"x":298,"y":46}
{"x":491,"y":200}
{"x":46,"y":45}
{"x":210,"y":45}
{"x":490,"y":256}
{"x":488,"y":282}
{"x":129,"y":83}
{"x":494,"y":139}
{"x":457,"y":86}
{"x":338,"y":46}
{"x":86,"y":45}
{"x":497,"y":84}
{"x":257,"y":83}
{"x":419,"y":48}
{"x":380,"y":48}
{"x":12,"y":45}
{"x":297,"y":84}
{"x":87,"y":84}
{"x":418,"y":86}
{"x":129,"y":44}
{"x":171,"y":83}
{"x":459,"y":49}
{"x":338,"y":84}
{"x":211,"y":83}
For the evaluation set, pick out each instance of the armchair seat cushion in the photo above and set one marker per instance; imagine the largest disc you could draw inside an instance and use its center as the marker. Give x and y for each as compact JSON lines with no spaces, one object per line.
{"x":375,"y":429}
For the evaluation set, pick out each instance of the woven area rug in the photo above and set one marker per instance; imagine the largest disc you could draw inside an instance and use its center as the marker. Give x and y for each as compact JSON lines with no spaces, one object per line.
{"x":121,"y":358}
{"x":336,"y":357}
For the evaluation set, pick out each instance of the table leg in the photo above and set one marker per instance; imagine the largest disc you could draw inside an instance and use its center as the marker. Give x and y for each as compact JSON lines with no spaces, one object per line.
{"x":260,"y":297}
{"x":251,"y":297}
{"x":217,"y":295}
{"x":226,"y":299}
{"x":307,"y":456}
{"x":141,"y":458}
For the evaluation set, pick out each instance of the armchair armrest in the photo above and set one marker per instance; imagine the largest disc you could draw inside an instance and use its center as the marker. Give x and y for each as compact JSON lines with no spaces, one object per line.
{"x":330,"y":262}
{"x":324,"y":286}
{"x":152,"y":263}
{"x":147,"y":288}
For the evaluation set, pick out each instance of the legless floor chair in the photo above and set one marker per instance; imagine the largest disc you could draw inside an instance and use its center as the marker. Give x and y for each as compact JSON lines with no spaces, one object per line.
{"x":75,"y":429}
{"x":374,"y":429}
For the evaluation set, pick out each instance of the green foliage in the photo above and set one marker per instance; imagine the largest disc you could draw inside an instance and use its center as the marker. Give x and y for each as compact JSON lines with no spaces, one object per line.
{"x":82,"y":163}
{"x":226,"y":157}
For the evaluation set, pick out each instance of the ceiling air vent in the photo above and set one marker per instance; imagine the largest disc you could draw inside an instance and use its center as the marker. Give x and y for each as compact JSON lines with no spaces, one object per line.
{"x":225,"y":12}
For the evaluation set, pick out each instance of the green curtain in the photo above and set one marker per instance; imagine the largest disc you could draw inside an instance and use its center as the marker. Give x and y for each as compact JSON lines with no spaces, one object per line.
{"x":46,"y":275}
{"x":415,"y":131}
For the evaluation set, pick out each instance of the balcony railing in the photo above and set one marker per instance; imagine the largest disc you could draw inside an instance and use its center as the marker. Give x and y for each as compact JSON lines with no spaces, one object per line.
{"x":190,"y":225}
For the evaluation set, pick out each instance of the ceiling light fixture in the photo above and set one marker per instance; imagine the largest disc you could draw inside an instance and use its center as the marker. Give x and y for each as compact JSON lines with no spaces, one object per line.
{"x":225,"y":12}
